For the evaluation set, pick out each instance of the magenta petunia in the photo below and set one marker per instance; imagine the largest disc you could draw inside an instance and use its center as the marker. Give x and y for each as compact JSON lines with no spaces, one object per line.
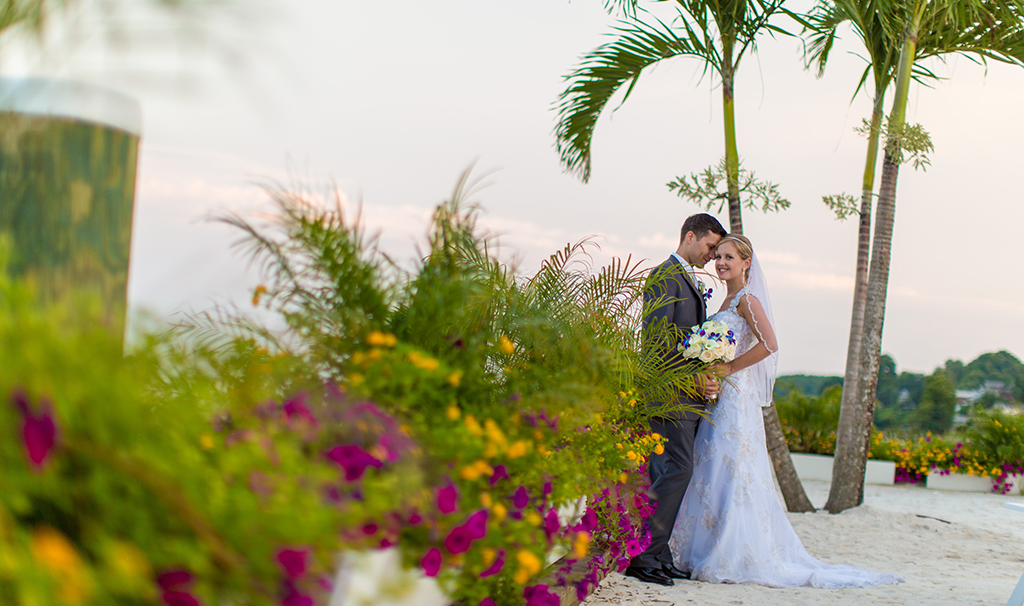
{"x":293,"y":562}
{"x":540,"y":595}
{"x":477,"y":524}
{"x":431,"y":562}
{"x":175,"y":597}
{"x":291,"y":596}
{"x":547,"y":488}
{"x":370,"y":529}
{"x":353,"y":460}
{"x":415,"y":519}
{"x":458,"y":540}
{"x":174,"y":579}
{"x":495,"y":567}
{"x":589,"y":521}
{"x":551,"y":524}
{"x":447,"y":499}
{"x":633,"y":548}
{"x":500,"y":473}
{"x":38,"y":429}
{"x":487,"y":602}
{"x":296,"y":408}
{"x":521,"y":498}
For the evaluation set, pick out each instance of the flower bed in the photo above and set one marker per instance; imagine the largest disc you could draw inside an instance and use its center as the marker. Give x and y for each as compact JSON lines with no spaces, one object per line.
{"x":448,"y":413}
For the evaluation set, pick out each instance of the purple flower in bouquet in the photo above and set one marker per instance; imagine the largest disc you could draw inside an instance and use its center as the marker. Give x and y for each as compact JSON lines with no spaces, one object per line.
{"x":291,"y":596}
{"x":551,"y":524}
{"x":500,"y":473}
{"x":459,"y":540}
{"x":296,"y":408}
{"x":521,"y":498}
{"x":496,"y":566}
{"x":293,"y":562}
{"x":38,"y":429}
{"x":431,"y":562}
{"x":477,"y":524}
{"x":539,"y":595}
{"x":353,"y":459}
{"x":447,"y":499}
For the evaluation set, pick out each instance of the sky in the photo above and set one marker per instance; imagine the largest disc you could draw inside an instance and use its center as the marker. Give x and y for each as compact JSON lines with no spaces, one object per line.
{"x":390,"y":102}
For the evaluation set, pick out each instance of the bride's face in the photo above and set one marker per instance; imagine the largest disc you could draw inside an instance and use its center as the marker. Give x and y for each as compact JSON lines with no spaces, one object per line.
{"x":728,"y":263}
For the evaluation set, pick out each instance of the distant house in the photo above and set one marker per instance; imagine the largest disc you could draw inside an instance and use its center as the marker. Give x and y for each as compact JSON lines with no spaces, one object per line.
{"x":1002,"y":396}
{"x":965,"y":398}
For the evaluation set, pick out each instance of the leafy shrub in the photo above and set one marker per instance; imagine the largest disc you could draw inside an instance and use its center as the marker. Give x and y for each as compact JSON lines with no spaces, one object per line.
{"x":809,"y":422}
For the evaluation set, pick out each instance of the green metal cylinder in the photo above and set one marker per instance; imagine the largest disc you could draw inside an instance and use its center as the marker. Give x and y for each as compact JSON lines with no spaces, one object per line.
{"x":68,"y":154}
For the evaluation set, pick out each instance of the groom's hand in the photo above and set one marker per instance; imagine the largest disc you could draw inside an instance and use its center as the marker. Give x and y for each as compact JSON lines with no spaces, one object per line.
{"x":708,"y":386}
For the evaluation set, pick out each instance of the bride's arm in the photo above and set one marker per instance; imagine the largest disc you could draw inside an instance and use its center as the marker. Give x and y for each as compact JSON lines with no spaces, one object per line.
{"x":751,"y":310}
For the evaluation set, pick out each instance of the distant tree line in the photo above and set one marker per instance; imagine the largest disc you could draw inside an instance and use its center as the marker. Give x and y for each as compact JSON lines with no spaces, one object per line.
{"x":913,"y":401}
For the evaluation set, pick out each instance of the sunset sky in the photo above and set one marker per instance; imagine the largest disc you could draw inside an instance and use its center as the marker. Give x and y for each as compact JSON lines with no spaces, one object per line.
{"x":392,"y":101}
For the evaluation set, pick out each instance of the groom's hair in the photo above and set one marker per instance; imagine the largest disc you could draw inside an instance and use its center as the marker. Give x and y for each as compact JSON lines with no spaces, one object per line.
{"x":700,"y":225}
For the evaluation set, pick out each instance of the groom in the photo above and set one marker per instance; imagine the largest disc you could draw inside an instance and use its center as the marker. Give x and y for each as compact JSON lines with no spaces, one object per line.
{"x":680,"y":299}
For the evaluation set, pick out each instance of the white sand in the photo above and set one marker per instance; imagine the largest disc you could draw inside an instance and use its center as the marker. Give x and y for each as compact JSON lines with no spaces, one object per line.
{"x":975,"y":558}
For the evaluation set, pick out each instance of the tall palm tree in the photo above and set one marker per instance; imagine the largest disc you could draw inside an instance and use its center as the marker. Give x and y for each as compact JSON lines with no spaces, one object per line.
{"x":897,"y":38}
{"x":716,"y":32}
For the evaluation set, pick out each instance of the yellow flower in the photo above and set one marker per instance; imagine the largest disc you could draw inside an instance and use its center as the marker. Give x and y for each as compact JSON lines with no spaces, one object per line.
{"x":453,"y":412}
{"x":506,"y":345}
{"x":656,"y":436}
{"x":355,"y":379}
{"x":623,"y":478}
{"x":376,"y":338}
{"x":51,"y":549}
{"x":499,"y":512}
{"x":659,"y":449}
{"x":206,"y":441}
{"x":256,"y":294}
{"x":485,"y":499}
{"x":581,"y":544}
{"x":543,"y":451}
{"x":477,"y":469}
{"x":489,"y":555}
{"x":374,"y":354}
{"x":518,"y":449}
{"x":521,"y":576}
{"x":358,"y":358}
{"x":534,"y":518}
{"x":455,"y":378}
{"x":631,"y":455}
{"x":473,"y":426}
{"x":529,"y":561}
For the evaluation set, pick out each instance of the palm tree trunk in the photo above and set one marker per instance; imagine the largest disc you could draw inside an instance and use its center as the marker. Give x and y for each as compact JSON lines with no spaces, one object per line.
{"x":732,"y":157}
{"x":849,"y":412}
{"x":854,"y":433}
{"x":792,"y":490}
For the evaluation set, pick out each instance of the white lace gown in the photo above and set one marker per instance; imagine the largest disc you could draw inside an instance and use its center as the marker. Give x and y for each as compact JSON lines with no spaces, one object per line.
{"x":731,"y":526}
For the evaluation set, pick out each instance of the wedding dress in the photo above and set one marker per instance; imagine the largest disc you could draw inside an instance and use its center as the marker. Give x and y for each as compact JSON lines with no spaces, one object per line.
{"x":731,"y":527}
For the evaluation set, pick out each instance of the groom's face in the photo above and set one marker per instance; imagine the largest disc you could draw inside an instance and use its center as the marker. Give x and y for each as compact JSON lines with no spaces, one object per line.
{"x":701,"y":249}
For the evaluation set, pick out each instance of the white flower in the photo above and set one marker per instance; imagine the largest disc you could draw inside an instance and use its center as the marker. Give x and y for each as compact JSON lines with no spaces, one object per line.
{"x":707,"y":356}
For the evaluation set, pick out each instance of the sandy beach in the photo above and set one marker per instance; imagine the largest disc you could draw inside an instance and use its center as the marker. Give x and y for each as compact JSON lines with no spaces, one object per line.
{"x":951,"y":548}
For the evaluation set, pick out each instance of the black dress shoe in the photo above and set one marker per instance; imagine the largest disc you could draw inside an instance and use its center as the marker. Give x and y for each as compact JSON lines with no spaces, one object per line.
{"x":673,"y":573}
{"x":648,"y":575}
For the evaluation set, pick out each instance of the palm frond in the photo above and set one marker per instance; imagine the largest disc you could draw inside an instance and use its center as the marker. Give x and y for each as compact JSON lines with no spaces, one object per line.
{"x":603,"y":72}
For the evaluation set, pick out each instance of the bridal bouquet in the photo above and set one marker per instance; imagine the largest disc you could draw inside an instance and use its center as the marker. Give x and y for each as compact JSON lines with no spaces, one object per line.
{"x":710,"y":342}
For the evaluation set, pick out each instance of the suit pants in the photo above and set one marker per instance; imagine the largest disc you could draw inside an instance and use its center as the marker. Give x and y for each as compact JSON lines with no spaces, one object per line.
{"x":670,"y":475}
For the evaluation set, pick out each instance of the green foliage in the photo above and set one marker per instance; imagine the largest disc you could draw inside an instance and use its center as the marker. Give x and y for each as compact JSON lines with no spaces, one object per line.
{"x":706,"y":189}
{"x":810,"y":385}
{"x":994,"y":366}
{"x":906,"y":142}
{"x":935,"y":411}
{"x":809,"y":422}
{"x":843,"y":205}
{"x":487,"y":372}
{"x":997,"y":436}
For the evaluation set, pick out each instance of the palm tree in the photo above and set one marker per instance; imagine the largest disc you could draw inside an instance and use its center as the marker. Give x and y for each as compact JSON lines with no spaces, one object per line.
{"x":897,"y":38}
{"x":718,"y":33}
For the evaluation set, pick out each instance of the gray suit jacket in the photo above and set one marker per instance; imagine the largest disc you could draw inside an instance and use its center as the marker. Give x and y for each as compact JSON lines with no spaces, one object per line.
{"x":681,"y":304}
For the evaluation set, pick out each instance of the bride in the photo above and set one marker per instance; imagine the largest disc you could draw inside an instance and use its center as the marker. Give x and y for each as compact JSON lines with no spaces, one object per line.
{"x":731,"y":527}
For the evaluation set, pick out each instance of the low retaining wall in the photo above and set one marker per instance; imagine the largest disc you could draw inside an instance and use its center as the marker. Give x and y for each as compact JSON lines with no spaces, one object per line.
{"x":819,"y":467}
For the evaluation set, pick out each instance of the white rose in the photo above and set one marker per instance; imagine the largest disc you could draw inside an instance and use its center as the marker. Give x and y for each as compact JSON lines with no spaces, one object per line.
{"x":707,"y":356}
{"x":692,"y":351}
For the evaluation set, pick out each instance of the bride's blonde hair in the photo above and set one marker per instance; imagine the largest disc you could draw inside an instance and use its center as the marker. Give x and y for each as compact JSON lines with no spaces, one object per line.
{"x":743,"y":247}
